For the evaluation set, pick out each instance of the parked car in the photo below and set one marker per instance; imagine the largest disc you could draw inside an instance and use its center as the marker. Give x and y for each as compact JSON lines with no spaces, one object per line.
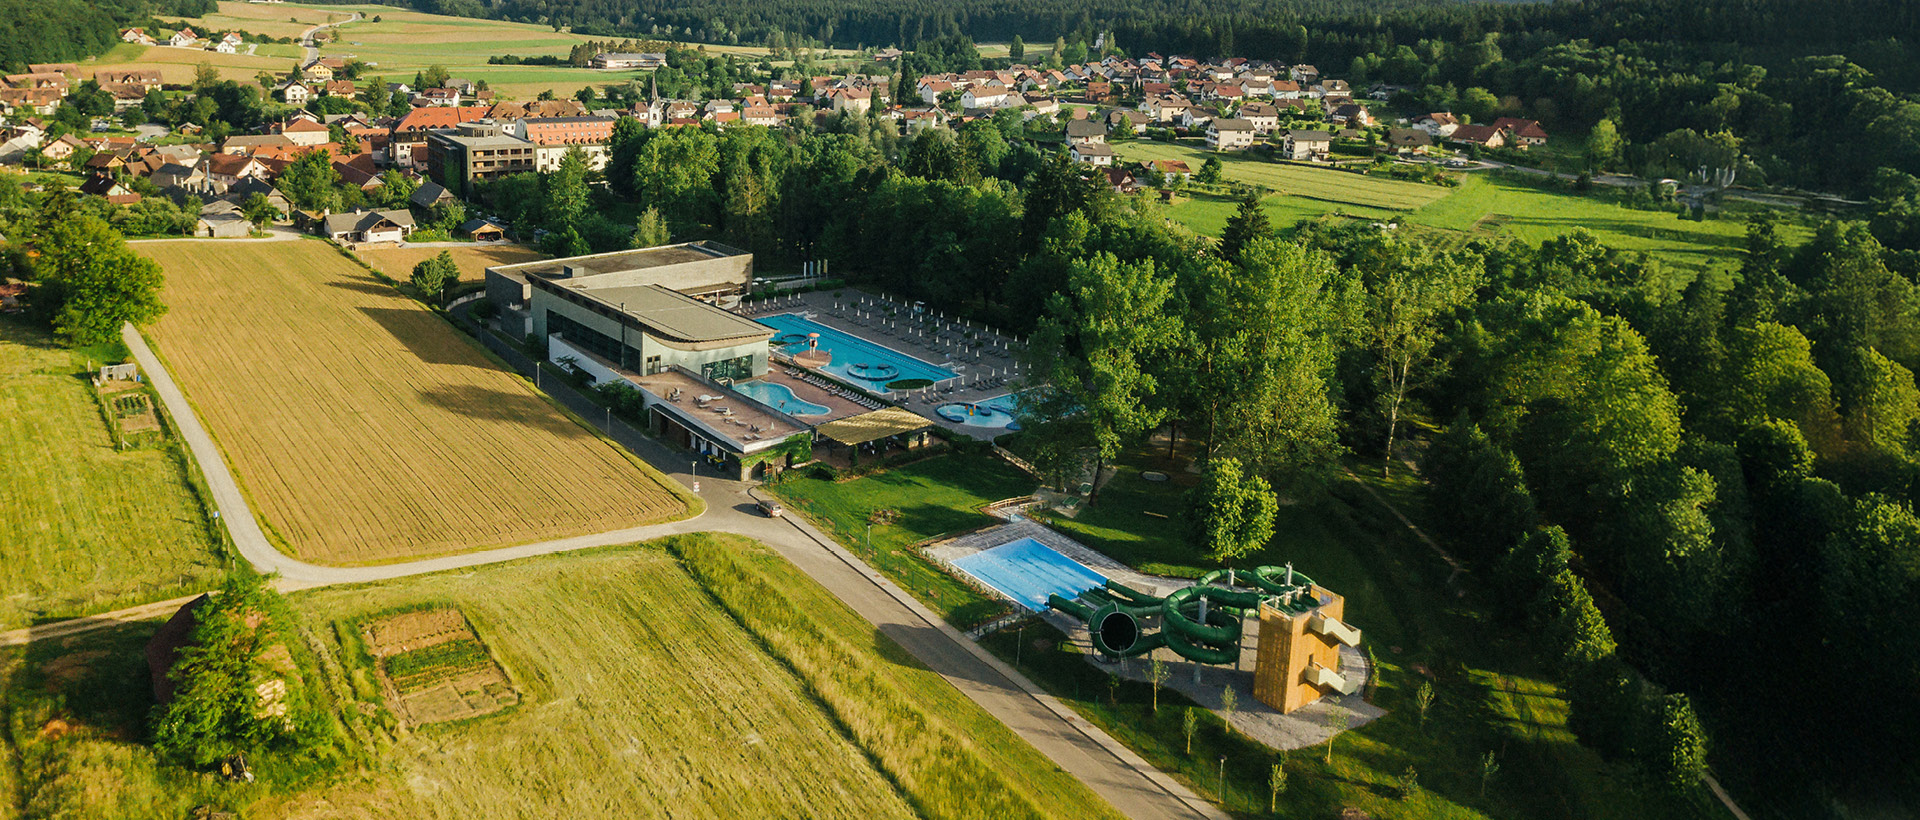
{"x":771,"y":508}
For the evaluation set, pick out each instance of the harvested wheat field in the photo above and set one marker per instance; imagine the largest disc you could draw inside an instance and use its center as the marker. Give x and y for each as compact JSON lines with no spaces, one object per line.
{"x":473,"y":260}
{"x":366,"y":430}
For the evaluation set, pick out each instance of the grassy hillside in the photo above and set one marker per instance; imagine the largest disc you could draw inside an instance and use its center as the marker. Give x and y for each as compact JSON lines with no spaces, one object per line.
{"x":84,"y":528}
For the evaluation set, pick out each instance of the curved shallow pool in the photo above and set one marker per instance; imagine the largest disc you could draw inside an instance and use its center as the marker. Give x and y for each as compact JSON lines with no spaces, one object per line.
{"x":977,"y":414}
{"x":780,"y":397}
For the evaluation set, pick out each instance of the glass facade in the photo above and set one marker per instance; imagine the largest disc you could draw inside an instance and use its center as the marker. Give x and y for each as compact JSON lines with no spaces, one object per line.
{"x":585,"y":338}
{"x":731,"y":369}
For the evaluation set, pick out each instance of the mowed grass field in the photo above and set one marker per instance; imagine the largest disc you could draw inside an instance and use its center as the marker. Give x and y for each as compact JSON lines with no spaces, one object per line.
{"x":473,"y":260}
{"x":1532,"y":214}
{"x":270,"y":19}
{"x":365,"y":429}
{"x":83,"y":528}
{"x":1337,"y":188}
{"x":645,"y":698}
{"x":177,"y":65}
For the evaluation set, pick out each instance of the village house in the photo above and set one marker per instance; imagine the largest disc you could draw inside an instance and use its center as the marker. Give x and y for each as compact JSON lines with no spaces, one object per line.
{"x":1484,"y":136}
{"x":295,"y":92}
{"x":991,"y":95}
{"x":1121,"y":181}
{"x":1439,"y":124}
{"x":109,"y":189}
{"x":1230,"y":134}
{"x":146,"y":78}
{"x":1084,"y":132}
{"x":1521,"y":134}
{"x":317,"y":72}
{"x":1097,"y":154}
{"x":1126,"y":120}
{"x":368,"y":226}
{"x":1172,"y":171}
{"x":1299,"y":144}
{"x":137,"y":37}
{"x":1350,"y":114}
{"x":184,"y":38}
{"x":303,"y":132}
{"x":1265,"y":118}
{"x":1409,"y":140}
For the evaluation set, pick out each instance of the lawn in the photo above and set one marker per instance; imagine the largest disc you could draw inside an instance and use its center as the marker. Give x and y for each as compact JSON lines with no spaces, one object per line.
{"x":937,"y":496}
{"x":1485,"y":204}
{"x":84,"y":528}
{"x":473,"y":260}
{"x":364,"y":428}
{"x":1322,"y":185}
{"x":644,"y":697}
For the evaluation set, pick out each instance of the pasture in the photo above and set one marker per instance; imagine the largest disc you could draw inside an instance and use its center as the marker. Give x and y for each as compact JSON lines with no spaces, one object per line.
{"x":473,"y":259}
{"x":84,"y":528}
{"x":270,"y":19}
{"x":364,"y":428}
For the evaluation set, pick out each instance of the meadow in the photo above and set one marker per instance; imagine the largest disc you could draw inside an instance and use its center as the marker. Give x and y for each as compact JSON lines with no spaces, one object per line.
{"x":364,"y":428}
{"x":1325,"y":185}
{"x":1532,"y":213}
{"x":84,"y":528}
{"x":473,"y":260}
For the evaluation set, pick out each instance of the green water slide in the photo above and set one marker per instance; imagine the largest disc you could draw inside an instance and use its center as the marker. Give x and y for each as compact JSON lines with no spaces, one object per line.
{"x":1115,"y":633}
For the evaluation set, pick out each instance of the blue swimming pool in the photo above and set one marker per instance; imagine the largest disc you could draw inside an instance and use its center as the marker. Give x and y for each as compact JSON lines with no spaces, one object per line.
{"x":854,"y":359}
{"x":780,"y":397}
{"x":1028,"y":571}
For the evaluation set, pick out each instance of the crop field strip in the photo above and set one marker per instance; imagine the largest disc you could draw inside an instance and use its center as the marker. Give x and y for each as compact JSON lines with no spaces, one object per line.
{"x":473,"y":260}
{"x":365,"y":429}
{"x":644,"y":700}
{"x":83,"y":528}
{"x":1324,"y":184}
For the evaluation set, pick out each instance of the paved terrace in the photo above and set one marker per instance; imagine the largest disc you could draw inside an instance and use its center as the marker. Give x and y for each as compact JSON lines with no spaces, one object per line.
{"x":728,"y":413}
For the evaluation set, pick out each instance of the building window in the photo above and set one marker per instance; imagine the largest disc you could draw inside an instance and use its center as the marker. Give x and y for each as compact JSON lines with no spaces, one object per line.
{"x":731,"y":369}
{"x":583,"y":337}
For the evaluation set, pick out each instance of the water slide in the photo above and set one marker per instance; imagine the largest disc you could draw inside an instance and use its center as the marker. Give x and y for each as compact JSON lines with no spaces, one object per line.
{"x":1201,"y":622}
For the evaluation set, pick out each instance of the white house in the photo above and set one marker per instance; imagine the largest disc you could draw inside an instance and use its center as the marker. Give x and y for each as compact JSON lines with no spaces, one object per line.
{"x":1098,"y":154}
{"x":991,"y":95}
{"x":184,"y":38}
{"x":1230,"y":134}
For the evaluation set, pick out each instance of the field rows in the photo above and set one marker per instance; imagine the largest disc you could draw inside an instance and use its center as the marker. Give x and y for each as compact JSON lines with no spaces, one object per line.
{"x":364,"y":428}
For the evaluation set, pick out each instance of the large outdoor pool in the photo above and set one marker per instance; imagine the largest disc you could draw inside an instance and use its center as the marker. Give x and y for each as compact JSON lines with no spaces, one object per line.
{"x":1028,"y":571}
{"x":780,"y":397}
{"x":854,"y":359}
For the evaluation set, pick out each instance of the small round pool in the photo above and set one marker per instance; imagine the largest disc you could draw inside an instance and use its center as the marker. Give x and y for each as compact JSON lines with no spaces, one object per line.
{"x":978,"y":415}
{"x":873,"y":372}
{"x":789,"y":338}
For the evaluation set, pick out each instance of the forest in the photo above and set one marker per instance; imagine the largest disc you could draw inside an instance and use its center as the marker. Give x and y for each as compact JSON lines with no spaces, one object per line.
{"x":56,"y":31}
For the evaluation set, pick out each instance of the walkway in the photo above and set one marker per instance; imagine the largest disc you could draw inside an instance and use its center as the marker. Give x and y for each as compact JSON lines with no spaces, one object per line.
{"x":1131,"y":784}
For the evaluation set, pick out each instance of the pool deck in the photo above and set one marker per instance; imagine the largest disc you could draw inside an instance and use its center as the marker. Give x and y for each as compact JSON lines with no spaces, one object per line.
{"x":1308,"y":726}
{"x":976,"y":368}
{"x":839,"y":408}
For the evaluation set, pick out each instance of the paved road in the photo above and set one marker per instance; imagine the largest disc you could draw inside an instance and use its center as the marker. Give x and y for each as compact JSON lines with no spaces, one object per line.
{"x":306,"y":38}
{"x":1129,"y":783}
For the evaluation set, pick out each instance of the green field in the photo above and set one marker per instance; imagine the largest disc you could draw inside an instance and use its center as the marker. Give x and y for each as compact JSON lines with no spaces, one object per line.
{"x":83,"y":528}
{"x":934,"y":497}
{"x":647,"y":692}
{"x":1337,"y":188}
{"x":1488,"y":204}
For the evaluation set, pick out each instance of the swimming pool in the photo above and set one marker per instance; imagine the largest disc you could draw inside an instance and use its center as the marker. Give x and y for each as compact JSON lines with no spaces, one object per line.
{"x":996,"y":411}
{"x":1028,"y":571}
{"x":780,"y":397}
{"x":854,"y":359}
